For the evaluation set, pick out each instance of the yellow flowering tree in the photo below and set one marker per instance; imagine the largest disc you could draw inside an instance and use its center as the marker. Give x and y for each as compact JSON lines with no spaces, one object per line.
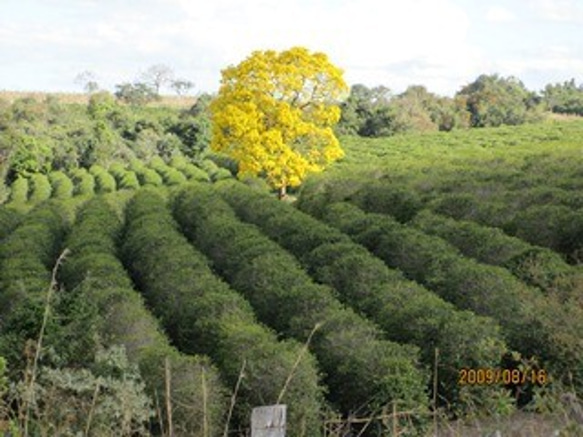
{"x":274,"y":115}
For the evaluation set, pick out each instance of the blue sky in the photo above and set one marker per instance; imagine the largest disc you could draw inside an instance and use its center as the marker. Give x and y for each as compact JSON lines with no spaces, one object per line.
{"x":442,"y":44}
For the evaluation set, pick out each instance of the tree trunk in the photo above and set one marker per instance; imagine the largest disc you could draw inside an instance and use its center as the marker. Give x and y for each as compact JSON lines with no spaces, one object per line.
{"x":282,"y":192}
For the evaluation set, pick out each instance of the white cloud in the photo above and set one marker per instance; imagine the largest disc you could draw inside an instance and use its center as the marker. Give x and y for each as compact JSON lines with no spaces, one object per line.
{"x":366,"y":38}
{"x":568,"y":11}
{"x":499,"y":14}
{"x":391,"y":42}
{"x":549,"y":63}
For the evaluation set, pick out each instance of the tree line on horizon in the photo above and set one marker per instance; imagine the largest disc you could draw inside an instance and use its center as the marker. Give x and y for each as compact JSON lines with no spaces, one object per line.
{"x":489,"y":101}
{"x":39,"y":136}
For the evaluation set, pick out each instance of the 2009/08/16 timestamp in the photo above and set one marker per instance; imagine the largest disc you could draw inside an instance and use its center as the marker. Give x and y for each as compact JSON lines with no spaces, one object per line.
{"x":491,"y":376}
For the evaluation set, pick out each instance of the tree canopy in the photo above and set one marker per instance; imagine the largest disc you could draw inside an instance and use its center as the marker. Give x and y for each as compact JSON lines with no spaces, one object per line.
{"x":275,"y":112}
{"x":493,"y":100}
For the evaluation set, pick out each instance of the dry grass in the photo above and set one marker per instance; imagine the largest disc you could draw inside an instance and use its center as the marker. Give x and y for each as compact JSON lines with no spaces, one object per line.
{"x":519,"y":424}
{"x":563,"y":117}
{"x":80,"y":98}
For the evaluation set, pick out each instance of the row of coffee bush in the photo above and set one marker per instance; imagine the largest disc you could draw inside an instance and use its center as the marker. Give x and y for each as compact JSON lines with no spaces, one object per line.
{"x":61,"y":184}
{"x":27,"y":256}
{"x":191,"y":171}
{"x":124,"y":178}
{"x":104,"y":181}
{"x":406,"y":311}
{"x":40,"y":187}
{"x":533,"y":323}
{"x":83,"y":181}
{"x":170,"y":176}
{"x":556,"y":227}
{"x":101,"y":291}
{"x":201,"y":314}
{"x":9,"y":219}
{"x":537,"y":266}
{"x":363,"y":371}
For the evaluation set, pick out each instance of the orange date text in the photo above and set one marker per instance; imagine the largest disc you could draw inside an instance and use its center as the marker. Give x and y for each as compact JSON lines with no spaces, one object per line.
{"x":494,"y":376}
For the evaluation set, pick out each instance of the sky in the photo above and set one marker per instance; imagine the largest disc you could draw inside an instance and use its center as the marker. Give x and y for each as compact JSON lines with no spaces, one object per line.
{"x":441,"y":44}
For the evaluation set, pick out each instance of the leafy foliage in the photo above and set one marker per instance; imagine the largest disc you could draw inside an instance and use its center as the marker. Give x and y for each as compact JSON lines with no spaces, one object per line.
{"x":275,"y":112}
{"x":530,"y":321}
{"x":564,"y":98}
{"x":493,"y":100}
{"x":407,"y":312}
{"x":137,"y":93}
{"x":203,"y":314}
{"x":118,"y":316}
{"x":62,"y":186}
{"x":363,"y":370}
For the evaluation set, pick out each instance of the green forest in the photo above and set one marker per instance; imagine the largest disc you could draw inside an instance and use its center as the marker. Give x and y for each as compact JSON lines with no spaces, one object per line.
{"x":428,"y":280}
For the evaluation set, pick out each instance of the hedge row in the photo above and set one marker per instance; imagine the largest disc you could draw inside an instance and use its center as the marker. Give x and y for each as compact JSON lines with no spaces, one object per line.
{"x":126,"y":179}
{"x":170,"y":175}
{"x":467,"y":206}
{"x":215,"y":172}
{"x":203,"y":315}
{"x":388,"y":198}
{"x":9,"y":219}
{"x":96,"y":278}
{"x":407,"y":312}
{"x":556,"y":227}
{"x":104,"y":182}
{"x":191,"y":171}
{"x":84,"y":182}
{"x":145,"y":175}
{"x":536,"y":266}
{"x":40,"y":188}
{"x":544,"y":195}
{"x":363,"y":371}
{"x":19,"y":191}
{"x":27,"y":256}
{"x":61,"y":185}
{"x":534,"y":324}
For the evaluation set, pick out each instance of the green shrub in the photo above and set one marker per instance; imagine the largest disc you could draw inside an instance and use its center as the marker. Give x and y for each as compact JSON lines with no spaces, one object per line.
{"x":61,"y":184}
{"x":179,"y":162}
{"x":27,"y":256}
{"x":194,"y":173}
{"x":84,"y":182}
{"x":203,"y":315}
{"x":19,"y":191}
{"x":120,"y":317}
{"x":137,"y":165}
{"x":125,"y":179}
{"x":40,"y":188}
{"x":129,"y":181}
{"x":173,"y":177}
{"x":104,"y":182}
{"x":467,"y":206}
{"x":221,"y":174}
{"x":407,"y":312}
{"x":531,"y":322}
{"x":117,"y":170}
{"x":9,"y":219}
{"x":147,"y":176}
{"x":157,"y":163}
{"x":362,"y":368}
{"x":170,"y":176}
{"x":534,"y":265}
{"x":209,"y":167}
{"x":386,"y":198}
{"x":224,"y":161}
{"x":556,"y":227}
